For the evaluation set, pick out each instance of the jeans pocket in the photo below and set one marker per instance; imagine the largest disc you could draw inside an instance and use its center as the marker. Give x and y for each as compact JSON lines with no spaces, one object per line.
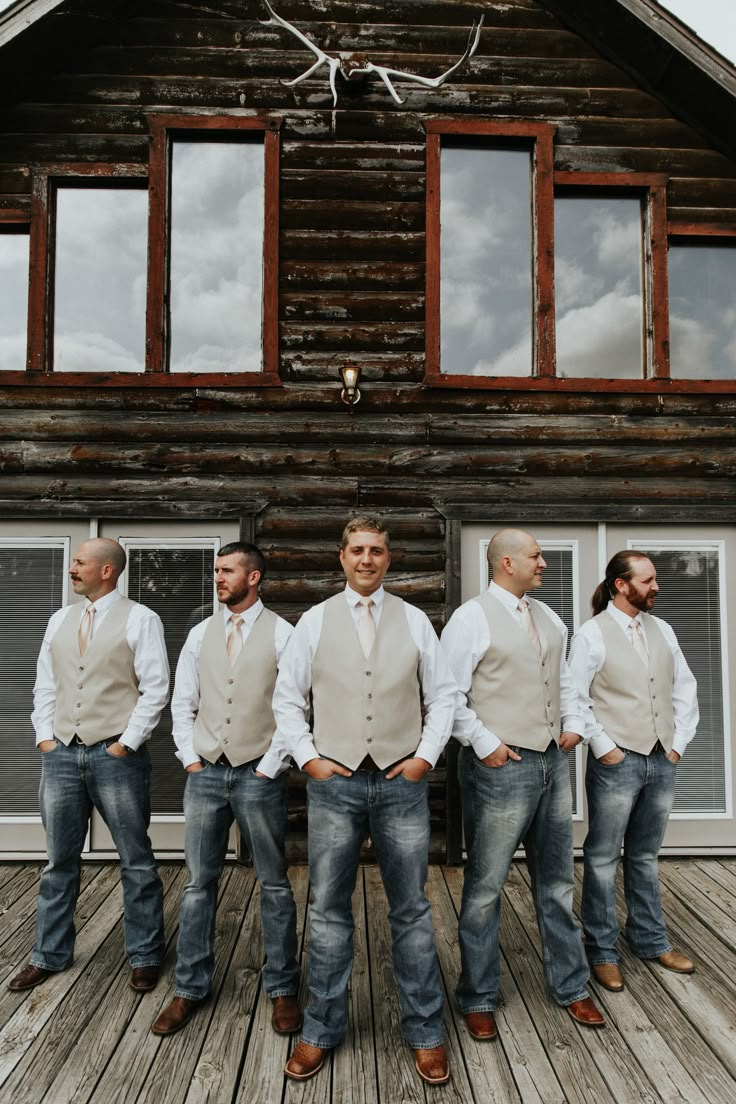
{"x":110,"y":754}
{"x":50,"y":751}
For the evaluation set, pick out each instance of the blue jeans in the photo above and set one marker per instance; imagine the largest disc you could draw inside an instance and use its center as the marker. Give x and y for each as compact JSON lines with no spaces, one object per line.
{"x":73,"y":780}
{"x":629,"y":803}
{"x":396,"y":816}
{"x":530,"y":801}
{"x":213,"y":798}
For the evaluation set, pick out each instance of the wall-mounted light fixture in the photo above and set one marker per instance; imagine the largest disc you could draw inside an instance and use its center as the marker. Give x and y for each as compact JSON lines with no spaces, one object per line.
{"x":350,"y":374}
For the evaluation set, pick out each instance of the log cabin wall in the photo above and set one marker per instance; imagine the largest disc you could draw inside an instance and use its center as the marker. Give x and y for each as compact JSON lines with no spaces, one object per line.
{"x":76,"y":89}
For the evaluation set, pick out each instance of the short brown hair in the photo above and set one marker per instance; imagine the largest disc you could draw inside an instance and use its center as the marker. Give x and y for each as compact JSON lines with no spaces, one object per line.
{"x":363,"y":523}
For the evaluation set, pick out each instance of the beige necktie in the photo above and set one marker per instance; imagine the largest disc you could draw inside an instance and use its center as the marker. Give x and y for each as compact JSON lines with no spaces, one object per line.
{"x":638,"y":642}
{"x":528,"y":625}
{"x":85,"y":629}
{"x":366,"y":626}
{"x":234,"y":644}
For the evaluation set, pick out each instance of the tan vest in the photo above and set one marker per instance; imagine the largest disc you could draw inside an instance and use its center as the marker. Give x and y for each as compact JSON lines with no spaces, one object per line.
{"x":516,"y":693}
{"x":633,"y":702}
{"x":235,"y":717}
{"x":366,"y":706}
{"x":95,"y":692}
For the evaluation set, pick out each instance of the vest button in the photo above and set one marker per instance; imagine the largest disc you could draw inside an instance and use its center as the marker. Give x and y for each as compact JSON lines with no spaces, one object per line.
{"x":230,"y":682}
{"x":81,"y":668}
{"x":368,"y":673}
{"x":227,"y":720}
{"x":229,"y":701}
{"x":369,"y":718}
{"x":368,"y":740}
{"x":370,"y":697}
{"x":80,"y":686}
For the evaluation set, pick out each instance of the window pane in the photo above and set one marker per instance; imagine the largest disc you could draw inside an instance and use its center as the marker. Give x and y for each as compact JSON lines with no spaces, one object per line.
{"x":178,"y":584}
{"x":690,"y":599}
{"x":13,"y":300}
{"x":31,"y":589}
{"x":217,"y":212}
{"x":100,"y":285}
{"x":486,"y":266}
{"x":702,"y":279}
{"x":598,"y":287}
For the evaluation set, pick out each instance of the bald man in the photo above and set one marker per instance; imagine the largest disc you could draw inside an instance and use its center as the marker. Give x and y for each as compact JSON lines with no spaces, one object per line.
{"x":519,"y":716}
{"x":102,"y":681}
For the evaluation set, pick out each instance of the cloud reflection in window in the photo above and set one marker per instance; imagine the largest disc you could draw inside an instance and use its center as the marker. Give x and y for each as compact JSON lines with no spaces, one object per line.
{"x":13,"y":300}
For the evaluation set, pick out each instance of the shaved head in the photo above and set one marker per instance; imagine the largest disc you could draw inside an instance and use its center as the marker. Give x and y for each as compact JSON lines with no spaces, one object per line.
{"x":106,"y":551}
{"x":507,"y":542}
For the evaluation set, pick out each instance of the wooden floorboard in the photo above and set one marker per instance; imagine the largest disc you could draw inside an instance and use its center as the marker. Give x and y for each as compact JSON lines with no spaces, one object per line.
{"x":84,"y":1036}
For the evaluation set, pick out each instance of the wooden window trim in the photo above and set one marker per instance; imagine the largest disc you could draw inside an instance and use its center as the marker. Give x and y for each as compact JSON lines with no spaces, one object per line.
{"x":678,"y":232}
{"x":161,"y":128}
{"x":540,"y":137}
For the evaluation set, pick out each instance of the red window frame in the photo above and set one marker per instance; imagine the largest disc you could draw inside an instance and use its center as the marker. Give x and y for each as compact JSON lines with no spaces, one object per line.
{"x":545,"y":180}
{"x":156,"y":177}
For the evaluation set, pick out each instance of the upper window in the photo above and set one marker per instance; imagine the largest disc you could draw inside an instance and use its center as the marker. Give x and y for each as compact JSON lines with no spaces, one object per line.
{"x":702,"y":278}
{"x":486,"y":261}
{"x":13,"y":296}
{"x":100,"y":279}
{"x":599,"y":304}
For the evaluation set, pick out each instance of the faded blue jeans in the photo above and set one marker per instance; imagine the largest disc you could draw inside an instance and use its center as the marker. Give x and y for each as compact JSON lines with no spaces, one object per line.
{"x":629,"y":803}
{"x":527,"y":801}
{"x":213,"y":798}
{"x":75,"y":779}
{"x":396,"y":816}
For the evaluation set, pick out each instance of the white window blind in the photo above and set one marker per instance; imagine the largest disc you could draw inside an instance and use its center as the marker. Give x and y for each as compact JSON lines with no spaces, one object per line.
{"x":177,"y":581}
{"x":31,"y":588}
{"x":690,"y":599}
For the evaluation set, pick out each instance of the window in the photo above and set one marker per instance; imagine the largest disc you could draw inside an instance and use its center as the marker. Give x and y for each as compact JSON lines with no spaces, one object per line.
{"x":32,"y":586}
{"x":100,"y":278}
{"x":13,"y":296}
{"x":213,"y":248}
{"x":702,"y":278}
{"x":175,"y":578}
{"x":599,"y":304}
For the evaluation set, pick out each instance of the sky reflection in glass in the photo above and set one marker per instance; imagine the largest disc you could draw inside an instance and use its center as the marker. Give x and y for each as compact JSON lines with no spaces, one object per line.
{"x":217,"y":212}
{"x":100,"y":282}
{"x":702,"y":280}
{"x":598,"y":287}
{"x":13,"y":301}
{"x":486,"y":261}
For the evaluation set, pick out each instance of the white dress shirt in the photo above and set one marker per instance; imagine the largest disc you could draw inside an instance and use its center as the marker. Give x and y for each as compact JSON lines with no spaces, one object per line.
{"x":145,"y":636}
{"x":185,"y":699}
{"x":587,"y":656}
{"x":466,"y":639}
{"x":291,"y":700}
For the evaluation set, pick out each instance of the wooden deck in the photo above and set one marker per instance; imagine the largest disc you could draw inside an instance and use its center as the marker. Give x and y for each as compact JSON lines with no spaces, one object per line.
{"x":84,"y":1036}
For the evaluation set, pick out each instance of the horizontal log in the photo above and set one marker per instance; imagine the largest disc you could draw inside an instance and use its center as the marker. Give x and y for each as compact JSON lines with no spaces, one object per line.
{"x":15,"y":180}
{"x":341,"y":184}
{"x":636,"y":461}
{"x":706,"y":215}
{"x":717,"y":192}
{"x":343,"y":245}
{"x":659,"y":133}
{"x":329,"y":214}
{"x":400,"y":367}
{"x":355,"y":156}
{"x":65,"y":147}
{"x":694,"y":162}
{"x":388,"y":335}
{"x":297,"y":525}
{"x":352,"y":307}
{"x":349,"y":276}
{"x":332,"y":428}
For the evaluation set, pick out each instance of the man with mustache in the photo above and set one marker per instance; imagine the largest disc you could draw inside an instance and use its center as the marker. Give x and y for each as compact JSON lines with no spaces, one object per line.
{"x":102,"y":682}
{"x":641,"y":713}
{"x":519,"y":717}
{"x":223,"y":724}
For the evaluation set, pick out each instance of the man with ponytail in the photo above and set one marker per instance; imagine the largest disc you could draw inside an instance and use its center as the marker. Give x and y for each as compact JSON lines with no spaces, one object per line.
{"x":642,"y":711}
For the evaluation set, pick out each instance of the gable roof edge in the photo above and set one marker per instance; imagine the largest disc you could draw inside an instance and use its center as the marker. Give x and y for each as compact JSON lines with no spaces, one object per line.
{"x":22,"y":15}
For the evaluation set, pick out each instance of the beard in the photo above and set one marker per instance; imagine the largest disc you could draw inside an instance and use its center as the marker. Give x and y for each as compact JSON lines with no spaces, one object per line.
{"x":642,"y":602}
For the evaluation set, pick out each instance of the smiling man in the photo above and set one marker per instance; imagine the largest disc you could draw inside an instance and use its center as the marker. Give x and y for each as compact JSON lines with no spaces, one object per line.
{"x":641,"y":713}
{"x":519,"y":717}
{"x":383,"y":700}
{"x":223,"y":724}
{"x":102,"y":681}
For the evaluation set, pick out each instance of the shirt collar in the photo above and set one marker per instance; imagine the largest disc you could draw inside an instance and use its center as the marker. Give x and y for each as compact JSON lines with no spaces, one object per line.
{"x":622,"y":618}
{"x":250,"y":616}
{"x":353,"y":598}
{"x":104,"y":602}
{"x":505,"y":596}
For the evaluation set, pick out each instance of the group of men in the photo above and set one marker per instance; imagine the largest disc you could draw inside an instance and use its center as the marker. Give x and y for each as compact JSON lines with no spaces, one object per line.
{"x":363,"y":697}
